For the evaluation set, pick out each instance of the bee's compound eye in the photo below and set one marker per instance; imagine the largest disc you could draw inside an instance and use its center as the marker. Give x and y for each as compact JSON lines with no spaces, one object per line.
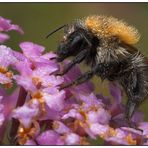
{"x":62,"y":52}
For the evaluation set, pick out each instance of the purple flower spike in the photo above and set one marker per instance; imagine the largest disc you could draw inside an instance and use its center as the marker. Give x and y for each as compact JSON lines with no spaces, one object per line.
{"x":45,"y":114}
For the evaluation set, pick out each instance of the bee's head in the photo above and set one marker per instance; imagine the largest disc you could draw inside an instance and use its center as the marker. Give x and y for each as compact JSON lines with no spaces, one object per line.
{"x":74,"y":40}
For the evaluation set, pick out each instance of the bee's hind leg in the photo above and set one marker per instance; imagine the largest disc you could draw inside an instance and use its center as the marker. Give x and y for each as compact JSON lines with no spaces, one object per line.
{"x":130,"y":109}
{"x":134,"y":89}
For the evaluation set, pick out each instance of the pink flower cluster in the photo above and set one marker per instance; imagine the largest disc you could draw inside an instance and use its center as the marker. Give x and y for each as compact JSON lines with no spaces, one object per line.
{"x":50,"y":116}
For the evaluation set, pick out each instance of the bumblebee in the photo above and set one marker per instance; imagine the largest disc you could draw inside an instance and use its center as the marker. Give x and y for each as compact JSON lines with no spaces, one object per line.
{"x":106,"y":44}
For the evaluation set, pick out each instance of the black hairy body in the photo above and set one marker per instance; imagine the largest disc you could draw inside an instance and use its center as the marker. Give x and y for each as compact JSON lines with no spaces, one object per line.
{"x":107,"y":46}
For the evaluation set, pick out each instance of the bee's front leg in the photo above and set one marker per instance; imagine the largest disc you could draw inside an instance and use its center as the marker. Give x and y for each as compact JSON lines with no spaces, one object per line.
{"x":81,"y":79}
{"x":79,"y":58}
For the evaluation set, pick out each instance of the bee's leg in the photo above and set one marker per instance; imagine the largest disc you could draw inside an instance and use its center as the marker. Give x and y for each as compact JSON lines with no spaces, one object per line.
{"x":79,"y":58}
{"x":98,"y":69}
{"x":131,"y":94}
{"x":102,"y":70}
{"x":131,"y":106}
{"x":82,"y":78}
{"x":134,"y":88}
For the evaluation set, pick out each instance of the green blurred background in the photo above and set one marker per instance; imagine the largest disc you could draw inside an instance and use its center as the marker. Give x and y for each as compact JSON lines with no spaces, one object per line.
{"x":37,"y":19}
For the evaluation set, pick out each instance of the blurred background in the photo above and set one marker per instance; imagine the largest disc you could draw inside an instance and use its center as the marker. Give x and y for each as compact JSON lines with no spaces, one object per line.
{"x":37,"y":19}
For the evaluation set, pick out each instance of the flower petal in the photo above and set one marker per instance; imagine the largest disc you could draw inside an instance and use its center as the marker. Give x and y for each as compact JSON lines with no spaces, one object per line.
{"x":31,"y":50}
{"x":6,"y":56}
{"x":3,"y":37}
{"x":49,"y":137}
{"x":115,"y":91}
{"x":5,"y":25}
{"x":72,"y":139}
{"x":26,"y":113}
{"x":55,"y":101}
{"x":60,"y":128}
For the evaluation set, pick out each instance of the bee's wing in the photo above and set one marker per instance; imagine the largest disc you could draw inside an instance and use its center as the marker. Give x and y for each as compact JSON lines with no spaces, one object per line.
{"x":129,"y":48}
{"x":132,"y":50}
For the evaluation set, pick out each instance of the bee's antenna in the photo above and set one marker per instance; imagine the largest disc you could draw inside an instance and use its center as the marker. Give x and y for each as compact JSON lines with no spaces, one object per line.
{"x":55,"y":31}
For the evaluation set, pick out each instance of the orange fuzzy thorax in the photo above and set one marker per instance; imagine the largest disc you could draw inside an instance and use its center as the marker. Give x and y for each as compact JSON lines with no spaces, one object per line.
{"x":104,"y":27}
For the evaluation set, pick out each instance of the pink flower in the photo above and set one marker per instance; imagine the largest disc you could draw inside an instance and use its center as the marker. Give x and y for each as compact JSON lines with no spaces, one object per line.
{"x":5,"y":26}
{"x":3,"y":37}
{"x":30,"y":143}
{"x":54,"y":100}
{"x":6,"y":56}
{"x":7,"y":104}
{"x":60,"y":127}
{"x":99,"y":129}
{"x":35,"y":68}
{"x":72,"y":139}
{"x":49,"y":137}
{"x":26,"y":113}
{"x":34,"y":54}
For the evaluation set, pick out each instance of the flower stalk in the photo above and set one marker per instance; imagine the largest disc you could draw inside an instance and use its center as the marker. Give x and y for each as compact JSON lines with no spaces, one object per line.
{"x":15,"y":123}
